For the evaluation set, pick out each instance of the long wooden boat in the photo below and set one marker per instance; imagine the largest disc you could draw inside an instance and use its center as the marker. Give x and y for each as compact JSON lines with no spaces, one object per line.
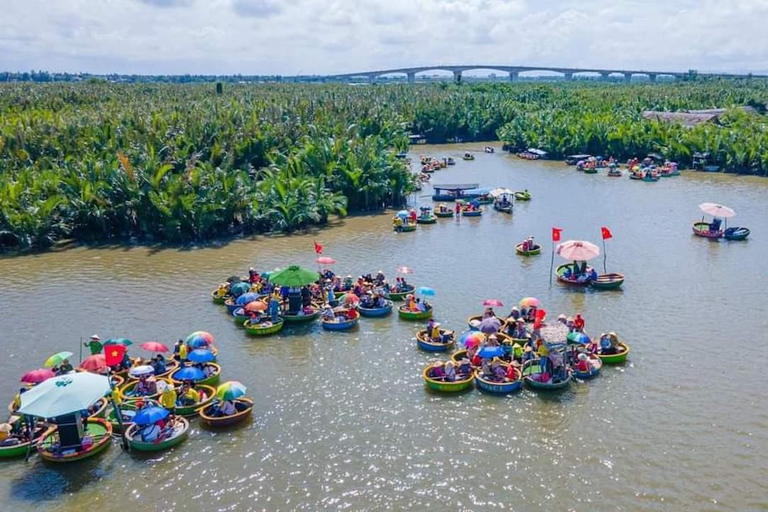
{"x":263,"y":329}
{"x":533,"y":252}
{"x":424,"y":343}
{"x":401,"y":295}
{"x":426,"y":220}
{"x":736,"y":233}
{"x":473,"y":213}
{"x":531,"y":367}
{"x":447,"y":387}
{"x":21,"y":449}
{"x":99,"y":429}
{"x":376,"y":312}
{"x":343,"y":325}
{"x":177,"y":436}
{"x":523,"y":196}
{"x":498,"y":388}
{"x":616,"y":358}
{"x":595,"y":364}
{"x":702,"y":229}
{"x":414,"y":315}
{"x":300,"y":319}
{"x":207,"y":394}
{"x":244,"y":408}
{"x":560,"y":272}
{"x":126,"y":392}
{"x":211,"y":380}
{"x":444,"y":215}
{"x":608,"y":281}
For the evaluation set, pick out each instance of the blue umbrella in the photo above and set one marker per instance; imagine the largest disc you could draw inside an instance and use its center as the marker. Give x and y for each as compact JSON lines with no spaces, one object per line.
{"x":427,"y":292}
{"x":403,"y":214}
{"x":489,"y":352}
{"x":150,"y":415}
{"x":201,"y":355}
{"x":577,"y":337}
{"x":189,"y":373}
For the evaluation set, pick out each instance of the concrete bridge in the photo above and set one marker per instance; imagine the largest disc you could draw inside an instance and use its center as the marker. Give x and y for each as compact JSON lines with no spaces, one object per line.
{"x":514,"y":72}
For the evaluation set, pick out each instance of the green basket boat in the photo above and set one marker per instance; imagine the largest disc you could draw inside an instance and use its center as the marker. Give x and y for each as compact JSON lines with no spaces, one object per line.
{"x":445,"y":214}
{"x":98,"y":429}
{"x":263,"y":329}
{"x":608,"y":281}
{"x":426,"y":220}
{"x":300,"y":319}
{"x":531,"y":368}
{"x":408,"y":229}
{"x":411,"y":315}
{"x":21,"y":449}
{"x":211,"y":380}
{"x":399,"y":296}
{"x":447,"y":387}
{"x":207,"y":394}
{"x":126,"y":392}
{"x":619,"y":358}
{"x":179,"y":434}
{"x":218,"y":300}
{"x":533,"y":252}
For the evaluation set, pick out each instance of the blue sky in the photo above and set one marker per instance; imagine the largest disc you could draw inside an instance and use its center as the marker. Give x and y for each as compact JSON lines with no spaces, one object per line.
{"x":334,"y":36}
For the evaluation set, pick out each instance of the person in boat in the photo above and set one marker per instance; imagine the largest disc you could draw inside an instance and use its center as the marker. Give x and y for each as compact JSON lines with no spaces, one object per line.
{"x":578,"y":323}
{"x":450,"y":372}
{"x":221,"y":292}
{"x":143,"y":387}
{"x":328,"y":314}
{"x":94,"y":345}
{"x":610,"y":345}
{"x":188,"y":395}
{"x":380,"y":278}
{"x":150,"y":433}
{"x":568,"y":274}
{"x":498,"y":371}
{"x":433,"y":331}
{"x":488,"y":313}
{"x":514,"y":313}
{"x":380,"y":301}
{"x":65,"y":367}
{"x":517,"y":352}
{"x":593,"y":347}
{"x":436,"y":372}
{"x":493,"y":341}
{"x":530,"y":314}
{"x":582,"y":364}
{"x":207,"y":369}
{"x":458,"y":208}
{"x":714,"y":226}
{"x":465,"y":367}
{"x":168,"y":397}
{"x":517,"y":330}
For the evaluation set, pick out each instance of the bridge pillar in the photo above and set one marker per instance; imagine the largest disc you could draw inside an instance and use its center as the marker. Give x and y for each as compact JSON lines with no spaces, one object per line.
{"x":605,"y":77}
{"x":568,"y":76}
{"x":513,"y":76}
{"x":627,"y":77}
{"x":457,"y":76}
{"x":411,"y":78}
{"x":652,"y":77}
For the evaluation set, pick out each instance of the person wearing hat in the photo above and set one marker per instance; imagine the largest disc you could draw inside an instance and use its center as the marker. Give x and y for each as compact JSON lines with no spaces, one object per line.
{"x":528,"y":353}
{"x":450,"y":372}
{"x":583,"y":363}
{"x":168,"y":396}
{"x":65,"y":367}
{"x":433,"y":330}
{"x":514,"y":313}
{"x":5,"y":433}
{"x":94,"y":345}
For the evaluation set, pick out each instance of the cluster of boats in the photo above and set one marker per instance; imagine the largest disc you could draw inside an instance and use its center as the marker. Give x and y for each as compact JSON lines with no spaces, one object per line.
{"x":72,"y":414}
{"x":718,"y":227}
{"x":646,"y":170}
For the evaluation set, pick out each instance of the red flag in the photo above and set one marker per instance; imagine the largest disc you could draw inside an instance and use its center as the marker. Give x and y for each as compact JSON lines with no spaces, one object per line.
{"x":606,"y":233}
{"x":113,"y":354}
{"x":318,"y":248}
{"x":556,"y":234}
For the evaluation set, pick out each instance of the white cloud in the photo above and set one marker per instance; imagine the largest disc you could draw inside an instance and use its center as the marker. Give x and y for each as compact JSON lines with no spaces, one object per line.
{"x":333,"y":36}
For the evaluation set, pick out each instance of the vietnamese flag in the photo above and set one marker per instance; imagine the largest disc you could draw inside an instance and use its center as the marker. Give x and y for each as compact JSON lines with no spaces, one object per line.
{"x":114,"y":354}
{"x":606,"y":233}
{"x":556,"y":234}
{"x":318,"y":248}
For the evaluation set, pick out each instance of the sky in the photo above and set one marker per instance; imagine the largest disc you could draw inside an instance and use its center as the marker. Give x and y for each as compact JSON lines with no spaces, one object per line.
{"x":291,"y":37}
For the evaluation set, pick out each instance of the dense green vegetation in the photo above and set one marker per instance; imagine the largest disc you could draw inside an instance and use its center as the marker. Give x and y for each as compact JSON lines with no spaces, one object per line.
{"x":179,"y":163}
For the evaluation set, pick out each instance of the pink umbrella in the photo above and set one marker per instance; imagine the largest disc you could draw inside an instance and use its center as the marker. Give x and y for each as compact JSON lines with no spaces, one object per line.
{"x":37,"y":376}
{"x":350,"y":298}
{"x":717,"y":210}
{"x":578,"y":250}
{"x":404,"y":270}
{"x":154,"y":346}
{"x":530,"y":301}
{"x":94,"y":364}
{"x":493,"y":303}
{"x":325,"y":260}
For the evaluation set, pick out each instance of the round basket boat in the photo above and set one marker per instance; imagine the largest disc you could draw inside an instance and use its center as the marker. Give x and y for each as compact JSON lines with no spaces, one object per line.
{"x":244,"y":408}
{"x":595,"y":364}
{"x":444,"y":215}
{"x":424,"y":343}
{"x":498,"y":388}
{"x":100,"y":408}
{"x":616,"y":358}
{"x":444,"y":386}
{"x":408,"y":229}
{"x":218,"y":299}
{"x":426,"y":220}
{"x":414,"y":315}
{"x":178,"y":433}
{"x":702,"y":229}
{"x":533,"y":252}
{"x":608,"y":281}
{"x":300,"y":319}
{"x":128,"y":410}
{"x":479,"y":318}
{"x":531,"y":368}
{"x":560,"y":272}
{"x":473,"y":213}
{"x":232,"y":305}
{"x":98,"y":430}
{"x":206,"y":393}
{"x":171,"y":365}
{"x":21,"y":449}
{"x":340,"y":325}
{"x":376,"y":312}
{"x":126,"y":393}
{"x":263,"y":329}
{"x":211,"y":380}
{"x":240,"y":316}
{"x":401,"y":295}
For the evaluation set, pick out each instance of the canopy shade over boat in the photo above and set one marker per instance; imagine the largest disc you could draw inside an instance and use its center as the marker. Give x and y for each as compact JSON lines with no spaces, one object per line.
{"x":536,"y":151}
{"x":465,"y":186}
{"x":498,"y":192}
{"x":477,"y":191}
{"x":294,"y":276}
{"x":64,"y":395}
{"x":717,"y":210}
{"x":578,"y":250}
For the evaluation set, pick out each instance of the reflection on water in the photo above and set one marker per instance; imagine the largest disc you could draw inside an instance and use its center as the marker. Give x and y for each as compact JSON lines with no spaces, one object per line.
{"x":342,"y":420}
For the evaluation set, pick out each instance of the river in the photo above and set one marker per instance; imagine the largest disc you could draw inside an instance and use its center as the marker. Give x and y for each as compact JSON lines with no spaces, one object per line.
{"x":342,"y":420}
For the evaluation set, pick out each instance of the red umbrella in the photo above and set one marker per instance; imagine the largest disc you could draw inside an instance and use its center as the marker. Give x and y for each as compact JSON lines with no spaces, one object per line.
{"x":404,"y":270}
{"x":37,"y":376}
{"x":94,"y":364}
{"x":492,"y":303}
{"x":255,"y":306}
{"x":325,"y":260}
{"x":154,"y":346}
{"x":350,"y":298}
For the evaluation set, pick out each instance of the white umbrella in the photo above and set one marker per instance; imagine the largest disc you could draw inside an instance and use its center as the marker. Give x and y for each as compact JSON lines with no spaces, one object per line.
{"x":717,"y":210}
{"x":578,"y":250}
{"x":65,"y":394}
{"x":500,"y":192}
{"x":138,"y":371}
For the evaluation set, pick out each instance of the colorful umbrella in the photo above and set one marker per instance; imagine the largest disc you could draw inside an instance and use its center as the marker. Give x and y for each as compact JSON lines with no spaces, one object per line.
{"x":95,"y":364}
{"x":426,"y":291}
{"x":493,"y":303}
{"x":201,"y":355}
{"x":138,"y":371}
{"x":403,"y":214}
{"x":246,"y":298}
{"x":238,"y":289}
{"x":119,"y":341}
{"x":489,"y":352}
{"x":472,"y":338}
{"x":325,"y":260}
{"x":150,"y":415}
{"x":154,"y":346}
{"x":577,"y":337}
{"x":56,"y":359}
{"x":578,"y":250}
{"x":255,"y":306}
{"x":199,"y":339}
{"x":294,"y":276}
{"x":64,"y":394}
{"x":349,"y":298}
{"x":189,"y":373}
{"x":717,"y":210}
{"x":530,"y":302}
{"x":37,"y":376}
{"x":490,"y":325}
{"x":404,"y":270}
{"x":230,"y":390}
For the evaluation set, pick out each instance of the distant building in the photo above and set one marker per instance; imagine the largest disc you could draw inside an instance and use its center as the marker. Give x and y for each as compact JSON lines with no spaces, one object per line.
{"x":691,"y":118}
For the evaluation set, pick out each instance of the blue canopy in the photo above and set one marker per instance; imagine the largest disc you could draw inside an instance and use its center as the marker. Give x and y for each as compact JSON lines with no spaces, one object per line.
{"x":189,"y":373}
{"x":149,"y":415}
{"x":246,"y":298}
{"x":201,"y":355}
{"x":489,"y":352}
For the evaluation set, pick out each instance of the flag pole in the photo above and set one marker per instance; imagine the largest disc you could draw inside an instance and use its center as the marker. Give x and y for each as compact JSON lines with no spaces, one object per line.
{"x":552,"y":263}
{"x":116,"y":408}
{"x":81,"y":349}
{"x":605,"y":258}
